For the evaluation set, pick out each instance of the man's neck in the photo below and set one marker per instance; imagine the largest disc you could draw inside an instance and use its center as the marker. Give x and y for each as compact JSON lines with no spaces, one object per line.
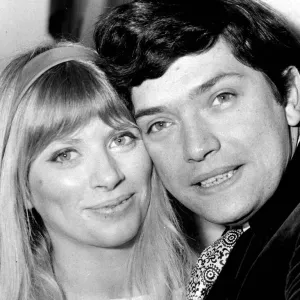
{"x":207,"y":232}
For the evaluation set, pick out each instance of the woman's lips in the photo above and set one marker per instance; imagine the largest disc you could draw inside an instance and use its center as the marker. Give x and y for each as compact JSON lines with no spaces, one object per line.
{"x":112,"y":205}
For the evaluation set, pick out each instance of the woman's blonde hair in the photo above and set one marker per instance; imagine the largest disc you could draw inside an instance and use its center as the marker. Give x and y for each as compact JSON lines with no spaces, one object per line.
{"x":57,"y":103}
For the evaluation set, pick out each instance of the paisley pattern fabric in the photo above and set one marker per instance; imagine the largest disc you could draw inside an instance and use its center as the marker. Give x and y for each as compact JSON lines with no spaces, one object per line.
{"x":210,"y":264}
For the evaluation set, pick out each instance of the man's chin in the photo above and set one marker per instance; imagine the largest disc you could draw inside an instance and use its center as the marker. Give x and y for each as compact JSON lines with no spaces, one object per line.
{"x":238,"y":220}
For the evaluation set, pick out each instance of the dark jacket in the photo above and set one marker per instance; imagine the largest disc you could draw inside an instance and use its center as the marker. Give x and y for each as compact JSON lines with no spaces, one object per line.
{"x":265,"y":262}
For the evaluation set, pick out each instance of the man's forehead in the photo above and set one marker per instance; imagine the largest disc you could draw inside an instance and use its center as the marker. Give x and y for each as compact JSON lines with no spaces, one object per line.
{"x":187,"y":74}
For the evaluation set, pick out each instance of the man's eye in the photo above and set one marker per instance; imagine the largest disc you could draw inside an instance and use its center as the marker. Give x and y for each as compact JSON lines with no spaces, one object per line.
{"x":65,"y":156}
{"x":222,"y":98}
{"x":158,"y":126}
{"x":123,"y":140}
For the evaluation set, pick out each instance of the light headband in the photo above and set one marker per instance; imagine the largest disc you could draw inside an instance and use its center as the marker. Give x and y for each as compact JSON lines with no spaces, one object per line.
{"x":50,"y":58}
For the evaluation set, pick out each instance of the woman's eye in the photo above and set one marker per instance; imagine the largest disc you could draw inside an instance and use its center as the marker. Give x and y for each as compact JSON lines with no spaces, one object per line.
{"x":222,"y":98}
{"x":65,"y":156}
{"x":123,"y":140}
{"x":158,"y":126}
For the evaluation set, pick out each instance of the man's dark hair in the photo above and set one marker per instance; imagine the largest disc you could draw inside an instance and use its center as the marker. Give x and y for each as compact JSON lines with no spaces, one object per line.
{"x":141,"y":39}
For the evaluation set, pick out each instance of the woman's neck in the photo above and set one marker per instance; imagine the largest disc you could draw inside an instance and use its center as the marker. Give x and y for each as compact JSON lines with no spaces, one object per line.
{"x":86,"y":272}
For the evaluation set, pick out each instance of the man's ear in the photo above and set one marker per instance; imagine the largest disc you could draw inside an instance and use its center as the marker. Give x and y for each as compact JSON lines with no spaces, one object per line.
{"x":292,"y":109}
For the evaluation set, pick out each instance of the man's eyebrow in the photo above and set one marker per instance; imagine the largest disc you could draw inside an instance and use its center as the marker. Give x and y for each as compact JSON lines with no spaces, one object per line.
{"x":149,"y":111}
{"x":206,"y":86}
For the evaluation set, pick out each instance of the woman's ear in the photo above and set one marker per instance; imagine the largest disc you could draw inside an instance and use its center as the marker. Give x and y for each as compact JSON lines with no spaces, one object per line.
{"x":28,"y":204}
{"x":292,"y":109}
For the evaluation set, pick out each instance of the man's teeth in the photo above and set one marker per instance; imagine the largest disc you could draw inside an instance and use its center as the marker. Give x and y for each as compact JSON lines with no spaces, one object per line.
{"x":217,"y":179}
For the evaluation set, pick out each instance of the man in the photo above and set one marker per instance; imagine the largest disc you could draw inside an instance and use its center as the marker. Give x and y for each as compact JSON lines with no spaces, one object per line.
{"x":215,"y":88}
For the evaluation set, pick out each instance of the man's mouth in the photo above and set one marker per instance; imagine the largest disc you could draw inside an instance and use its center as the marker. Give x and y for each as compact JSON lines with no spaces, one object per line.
{"x":218,"y":179}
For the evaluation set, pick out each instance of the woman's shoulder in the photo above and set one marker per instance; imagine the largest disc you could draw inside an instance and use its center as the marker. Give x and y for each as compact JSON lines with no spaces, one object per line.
{"x":145,"y":297}
{"x":177,"y":295}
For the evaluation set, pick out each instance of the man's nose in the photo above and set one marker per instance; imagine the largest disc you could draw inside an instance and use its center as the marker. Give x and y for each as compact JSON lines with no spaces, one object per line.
{"x":199,"y":140}
{"x":106,"y":173}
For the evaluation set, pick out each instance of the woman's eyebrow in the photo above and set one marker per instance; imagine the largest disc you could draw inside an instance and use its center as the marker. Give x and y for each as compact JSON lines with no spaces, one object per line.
{"x":68,"y":140}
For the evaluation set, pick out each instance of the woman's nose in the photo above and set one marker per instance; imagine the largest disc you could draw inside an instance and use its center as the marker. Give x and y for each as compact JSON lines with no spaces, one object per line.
{"x":106,"y":173}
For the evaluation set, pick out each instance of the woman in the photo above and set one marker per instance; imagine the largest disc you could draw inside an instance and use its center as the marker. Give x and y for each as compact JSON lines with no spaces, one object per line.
{"x":76,"y":218}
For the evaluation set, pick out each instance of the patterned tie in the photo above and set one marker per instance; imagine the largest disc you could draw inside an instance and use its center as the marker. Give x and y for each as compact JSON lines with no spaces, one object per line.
{"x":210,"y":264}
